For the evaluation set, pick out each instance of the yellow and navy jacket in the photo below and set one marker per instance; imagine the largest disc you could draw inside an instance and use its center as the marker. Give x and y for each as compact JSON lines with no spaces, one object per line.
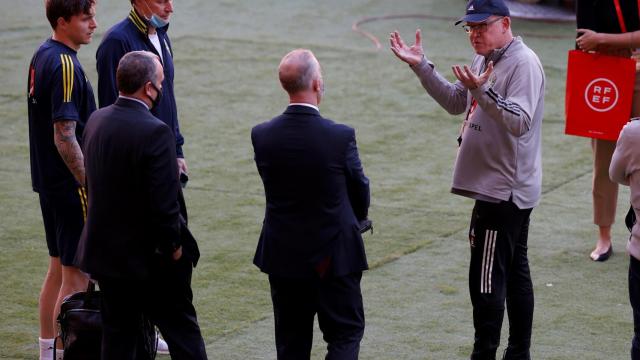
{"x":57,"y":90}
{"x":129,"y":35}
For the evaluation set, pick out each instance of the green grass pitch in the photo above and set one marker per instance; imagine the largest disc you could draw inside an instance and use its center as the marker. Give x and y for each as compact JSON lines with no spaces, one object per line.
{"x":416,"y":297}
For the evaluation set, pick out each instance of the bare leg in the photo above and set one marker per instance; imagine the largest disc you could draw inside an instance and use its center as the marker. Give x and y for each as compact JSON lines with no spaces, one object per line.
{"x":605,"y":194}
{"x":48,"y":298}
{"x":604,"y":241}
{"x":73,"y":281}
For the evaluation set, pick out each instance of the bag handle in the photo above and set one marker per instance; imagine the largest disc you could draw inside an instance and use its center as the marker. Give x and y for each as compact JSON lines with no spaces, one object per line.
{"x":623,"y":27}
{"x":55,"y":349}
{"x":91,"y":288}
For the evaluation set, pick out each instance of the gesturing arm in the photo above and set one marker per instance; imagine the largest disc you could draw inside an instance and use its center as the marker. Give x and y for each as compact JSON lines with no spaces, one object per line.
{"x":516,"y":108}
{"x":452,"y":97}
{"x":64,"y":137}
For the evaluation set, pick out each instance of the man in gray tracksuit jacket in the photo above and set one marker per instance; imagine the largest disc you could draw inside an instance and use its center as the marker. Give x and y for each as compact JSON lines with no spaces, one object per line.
{"x":499,"y":164}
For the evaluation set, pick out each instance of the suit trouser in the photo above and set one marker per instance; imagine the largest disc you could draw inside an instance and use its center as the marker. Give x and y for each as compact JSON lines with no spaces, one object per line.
{"x":499,"y":271}
{"x":338,"y":303}
{"x":165,"y":299}
{"x":634,"y":298}
{"x":605,"y":191}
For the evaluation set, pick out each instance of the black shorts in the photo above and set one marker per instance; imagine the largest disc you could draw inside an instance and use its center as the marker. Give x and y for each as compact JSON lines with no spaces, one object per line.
{"x":64,"y":214}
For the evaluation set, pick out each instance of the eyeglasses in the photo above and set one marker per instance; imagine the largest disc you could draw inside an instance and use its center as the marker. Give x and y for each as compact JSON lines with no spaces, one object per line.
{"x":480,"y":28}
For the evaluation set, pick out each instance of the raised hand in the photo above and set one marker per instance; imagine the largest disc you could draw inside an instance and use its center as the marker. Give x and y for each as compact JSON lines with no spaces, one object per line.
{"x":411,"y":55}
{"x":469,"y":79}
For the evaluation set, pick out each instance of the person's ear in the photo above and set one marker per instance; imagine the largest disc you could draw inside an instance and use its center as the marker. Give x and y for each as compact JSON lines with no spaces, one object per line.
{"x":147,"y":88}
{"x":60,"y":23}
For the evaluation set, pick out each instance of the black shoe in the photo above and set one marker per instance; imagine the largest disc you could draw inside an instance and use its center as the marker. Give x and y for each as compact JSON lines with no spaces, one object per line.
{"x":605,"y":256}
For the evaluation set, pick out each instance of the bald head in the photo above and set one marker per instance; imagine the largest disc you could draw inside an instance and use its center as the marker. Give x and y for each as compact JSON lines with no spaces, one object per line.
{"x":298,"y":69}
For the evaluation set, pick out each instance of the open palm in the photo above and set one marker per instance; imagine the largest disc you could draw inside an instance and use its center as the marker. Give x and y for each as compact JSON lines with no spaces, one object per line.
{"x":412,"y":55}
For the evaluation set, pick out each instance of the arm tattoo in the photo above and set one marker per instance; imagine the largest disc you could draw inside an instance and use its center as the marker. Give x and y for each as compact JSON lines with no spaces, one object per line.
{"x":64,"y":136}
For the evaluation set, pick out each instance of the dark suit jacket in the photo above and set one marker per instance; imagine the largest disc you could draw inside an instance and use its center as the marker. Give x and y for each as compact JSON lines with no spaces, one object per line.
{"x":316,"y":192}
{"x":133,"y":209}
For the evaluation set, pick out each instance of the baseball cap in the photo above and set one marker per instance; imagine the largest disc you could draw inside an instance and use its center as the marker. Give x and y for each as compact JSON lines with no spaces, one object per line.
{"x":480,"y":10}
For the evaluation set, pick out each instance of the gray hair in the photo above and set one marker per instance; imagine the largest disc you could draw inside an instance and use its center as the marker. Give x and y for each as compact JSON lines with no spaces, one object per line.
{"x":135,"y":69}
{"x":306,"y":68}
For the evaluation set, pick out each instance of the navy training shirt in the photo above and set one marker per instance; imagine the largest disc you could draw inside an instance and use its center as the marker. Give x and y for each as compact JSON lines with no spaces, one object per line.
{"x":58,"y":89}
{"x":129,"y":35}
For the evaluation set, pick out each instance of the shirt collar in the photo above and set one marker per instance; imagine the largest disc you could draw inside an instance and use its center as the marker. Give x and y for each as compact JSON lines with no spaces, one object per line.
{"x":497,"y":54}
{"x":56,"y":42}
{"x":134,"y":99}
{"x":305,"y":104}
{"x":138,"y":21}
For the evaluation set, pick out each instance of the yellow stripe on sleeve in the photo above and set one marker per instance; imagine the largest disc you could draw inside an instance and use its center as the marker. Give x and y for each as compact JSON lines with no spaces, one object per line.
{"x":86,"y":200}
{"x":67,"y":77}
{"x":83,"y":202}
{"x":68,"y":82}
{"x":70,"y":88}
{"x":64,"y":78}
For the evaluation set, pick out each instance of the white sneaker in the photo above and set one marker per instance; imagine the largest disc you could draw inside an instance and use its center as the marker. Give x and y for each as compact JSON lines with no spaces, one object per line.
{"x":163,"y":348}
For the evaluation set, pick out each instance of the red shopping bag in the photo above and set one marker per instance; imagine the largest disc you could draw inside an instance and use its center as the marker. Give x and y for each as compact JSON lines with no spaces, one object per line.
{"x":599,"y":94}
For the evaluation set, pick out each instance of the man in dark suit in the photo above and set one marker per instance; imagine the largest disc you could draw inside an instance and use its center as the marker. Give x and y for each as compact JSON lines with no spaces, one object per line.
{"x":316,"y":194}
{"x":135,"y":242}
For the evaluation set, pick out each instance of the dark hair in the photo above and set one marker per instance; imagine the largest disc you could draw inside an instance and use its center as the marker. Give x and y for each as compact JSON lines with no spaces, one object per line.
{"x":135,"y":69}
{"x":303,"y":77}
{"x":66,"y":9}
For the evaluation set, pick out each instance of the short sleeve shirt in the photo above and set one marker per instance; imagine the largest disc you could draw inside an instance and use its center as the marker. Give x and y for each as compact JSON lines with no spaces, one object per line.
{"x":58,"y":89}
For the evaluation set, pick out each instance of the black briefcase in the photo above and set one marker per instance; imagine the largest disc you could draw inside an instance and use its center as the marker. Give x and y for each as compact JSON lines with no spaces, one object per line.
{"x":81,"y":325}
{"x":81,"y":328}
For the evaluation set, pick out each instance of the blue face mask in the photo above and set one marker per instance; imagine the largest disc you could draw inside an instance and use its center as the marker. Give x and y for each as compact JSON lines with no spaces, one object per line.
{"x":157,"y":22}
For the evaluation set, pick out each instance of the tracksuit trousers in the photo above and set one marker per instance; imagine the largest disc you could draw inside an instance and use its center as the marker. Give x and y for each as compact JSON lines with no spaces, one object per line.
{"x":499,"y":272}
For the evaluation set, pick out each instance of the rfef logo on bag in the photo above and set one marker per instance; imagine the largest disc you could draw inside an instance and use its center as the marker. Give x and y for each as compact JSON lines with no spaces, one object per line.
{"x":599,"y":94}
